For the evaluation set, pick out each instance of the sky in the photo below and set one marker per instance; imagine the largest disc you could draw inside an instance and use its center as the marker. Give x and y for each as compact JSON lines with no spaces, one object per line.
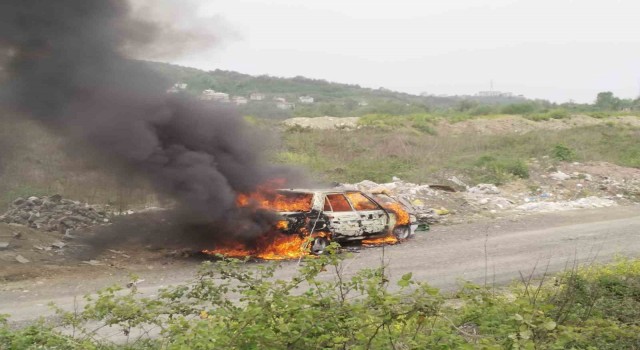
{"x":559,"y":50}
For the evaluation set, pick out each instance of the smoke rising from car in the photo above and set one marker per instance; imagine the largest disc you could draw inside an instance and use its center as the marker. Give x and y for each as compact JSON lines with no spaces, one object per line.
{"x":68,"y":70}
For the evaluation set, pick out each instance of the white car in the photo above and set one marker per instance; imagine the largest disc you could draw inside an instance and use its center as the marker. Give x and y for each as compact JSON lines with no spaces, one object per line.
{"x":340,"y":216}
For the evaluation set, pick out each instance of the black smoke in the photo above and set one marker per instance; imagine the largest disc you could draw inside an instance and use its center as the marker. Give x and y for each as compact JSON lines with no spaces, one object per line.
{"x":67,"y":69}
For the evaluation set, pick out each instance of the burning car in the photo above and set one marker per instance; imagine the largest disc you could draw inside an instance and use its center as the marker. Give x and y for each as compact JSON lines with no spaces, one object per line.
{"x":308,"y":219}
{"x":342,"y":216}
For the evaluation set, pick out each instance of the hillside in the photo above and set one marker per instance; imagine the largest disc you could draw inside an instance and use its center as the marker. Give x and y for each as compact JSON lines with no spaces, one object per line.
{"x":330,"y":98}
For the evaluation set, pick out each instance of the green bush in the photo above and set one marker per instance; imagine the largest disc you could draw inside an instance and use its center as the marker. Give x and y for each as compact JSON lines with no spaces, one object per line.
{"x":232,"y":305}
{"x":483,"y":110}
{"x":519,"y":108}
{"x":488,"y":169}
{"x":558,"y":113}
{"x":419,"y":121}
{"x":563,"y":153}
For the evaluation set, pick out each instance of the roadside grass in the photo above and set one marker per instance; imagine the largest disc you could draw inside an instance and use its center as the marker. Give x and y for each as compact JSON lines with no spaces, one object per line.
{"x":35,"y":162}
{"x":230,"y":305}
{"x":378,"y":154}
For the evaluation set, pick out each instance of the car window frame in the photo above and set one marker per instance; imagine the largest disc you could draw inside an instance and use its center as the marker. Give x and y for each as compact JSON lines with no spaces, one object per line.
{"x":377,"y":205}
{"x":326,"y":196}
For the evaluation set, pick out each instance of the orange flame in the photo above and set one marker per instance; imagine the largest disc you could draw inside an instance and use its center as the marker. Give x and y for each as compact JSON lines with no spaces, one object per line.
{"x":402,"y":219}
{"x":402,"y":216}
{"x":268,"y":197}
{"x":389,"y":239}
{"x":273,"y":244}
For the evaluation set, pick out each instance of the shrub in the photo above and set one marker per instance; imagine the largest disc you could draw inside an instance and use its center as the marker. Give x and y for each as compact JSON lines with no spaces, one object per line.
{"x":489,"y":169}
{"x":519,"y":108}
{"x":420,"y":121}
{"x":563,"y":153}
{"x":483,"y":110}
{"x":234,"y":306}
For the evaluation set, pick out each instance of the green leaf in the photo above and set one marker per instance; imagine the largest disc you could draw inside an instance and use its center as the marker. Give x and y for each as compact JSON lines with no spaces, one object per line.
{"x":407,"y":276}
{"x":549,"y":325}
{"x":526,"y":334}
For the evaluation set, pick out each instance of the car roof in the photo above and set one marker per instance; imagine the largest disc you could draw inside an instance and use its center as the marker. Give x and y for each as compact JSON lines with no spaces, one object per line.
{"x":306,"y":190}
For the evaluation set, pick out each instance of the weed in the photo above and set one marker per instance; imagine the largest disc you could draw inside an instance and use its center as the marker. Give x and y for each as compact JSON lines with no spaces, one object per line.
{"x":563,"y":153}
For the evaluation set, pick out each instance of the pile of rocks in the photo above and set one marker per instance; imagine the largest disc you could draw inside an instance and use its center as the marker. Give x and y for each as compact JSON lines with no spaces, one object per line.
{"x":55,"y":213}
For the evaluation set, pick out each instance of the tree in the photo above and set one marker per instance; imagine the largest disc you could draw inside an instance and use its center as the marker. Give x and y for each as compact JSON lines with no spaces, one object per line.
{"x":607,"y":101}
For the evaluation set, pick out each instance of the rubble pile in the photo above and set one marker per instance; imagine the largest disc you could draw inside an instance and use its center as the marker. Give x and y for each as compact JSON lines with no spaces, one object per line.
{"x":566,"y":186}
{"x":55,"y":213}
{"x":487,"y":197}
{"x":582,"y":203}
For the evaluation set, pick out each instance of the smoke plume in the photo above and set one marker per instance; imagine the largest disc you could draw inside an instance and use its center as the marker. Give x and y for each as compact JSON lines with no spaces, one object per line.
{"x":68,"y":70}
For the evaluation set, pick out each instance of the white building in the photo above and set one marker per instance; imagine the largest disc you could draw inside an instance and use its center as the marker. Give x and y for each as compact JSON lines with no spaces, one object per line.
{"x":363,"y":103}
{"x":280,"y":99}
{"x":285,"y":105}
{"x":177,"y":87}
{"x":211,"y":95}
{"x":256,"y":96}
{"x":239,"y":100}
{"x":305,"y":99}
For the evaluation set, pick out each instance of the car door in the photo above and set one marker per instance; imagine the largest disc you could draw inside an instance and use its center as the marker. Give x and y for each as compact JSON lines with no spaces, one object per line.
{"x":373,"y":219}
{"x":343,"y":220}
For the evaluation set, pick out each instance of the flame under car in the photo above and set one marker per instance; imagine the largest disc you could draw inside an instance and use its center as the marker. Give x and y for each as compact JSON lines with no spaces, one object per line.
{"x":330,"y":215}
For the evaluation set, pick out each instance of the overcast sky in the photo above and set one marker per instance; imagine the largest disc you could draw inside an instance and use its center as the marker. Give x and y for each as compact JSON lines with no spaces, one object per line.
{"x":552,"y":49}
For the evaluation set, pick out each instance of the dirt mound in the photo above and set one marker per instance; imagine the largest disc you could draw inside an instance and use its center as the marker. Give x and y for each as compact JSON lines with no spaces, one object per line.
{"x":323,"y":123}
{"x":518,"y":125}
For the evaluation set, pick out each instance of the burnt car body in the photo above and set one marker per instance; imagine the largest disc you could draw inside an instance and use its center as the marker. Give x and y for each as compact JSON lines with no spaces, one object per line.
{"x":339,"y":216}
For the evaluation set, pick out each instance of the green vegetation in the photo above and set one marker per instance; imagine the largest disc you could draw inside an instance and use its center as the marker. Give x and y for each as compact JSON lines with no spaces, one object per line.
{"x":348,"y":100}
{"x":234,"y":306}
{"x":563,"y":153}
{"x":394,"y":150}
{"x":422,"y":123}
{"x":499,"y":171}
{"x":34,"y":162}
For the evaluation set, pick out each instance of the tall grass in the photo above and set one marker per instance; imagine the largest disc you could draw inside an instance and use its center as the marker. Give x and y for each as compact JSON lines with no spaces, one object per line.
{"x":36,"y":162}
{"x":379,"y":154}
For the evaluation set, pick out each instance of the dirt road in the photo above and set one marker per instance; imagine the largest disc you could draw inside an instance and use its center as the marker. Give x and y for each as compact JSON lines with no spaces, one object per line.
{"x":491,"y":251}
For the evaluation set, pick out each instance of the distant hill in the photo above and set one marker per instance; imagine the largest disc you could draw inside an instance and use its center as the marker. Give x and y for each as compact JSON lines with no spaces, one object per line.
{"x":330,"y":98}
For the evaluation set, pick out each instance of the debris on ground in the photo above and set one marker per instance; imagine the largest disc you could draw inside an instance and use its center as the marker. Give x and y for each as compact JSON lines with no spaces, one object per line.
{"x":559,"y":176}
{"x":55,"y":213}
{"x":582,"y":203}
{"x":21,"y":259}
{"x":551,"y":187}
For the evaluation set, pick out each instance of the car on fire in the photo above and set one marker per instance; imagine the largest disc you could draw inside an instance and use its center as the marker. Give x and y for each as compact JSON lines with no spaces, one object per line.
{"x":339,"y":215}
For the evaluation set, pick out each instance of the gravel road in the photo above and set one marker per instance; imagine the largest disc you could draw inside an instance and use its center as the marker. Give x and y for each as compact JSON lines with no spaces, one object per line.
{"x":491,"y":251}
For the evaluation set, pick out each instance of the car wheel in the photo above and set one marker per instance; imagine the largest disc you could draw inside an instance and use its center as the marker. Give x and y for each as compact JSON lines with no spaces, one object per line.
{"x":402,"y":232}
{"x":319,"y":245}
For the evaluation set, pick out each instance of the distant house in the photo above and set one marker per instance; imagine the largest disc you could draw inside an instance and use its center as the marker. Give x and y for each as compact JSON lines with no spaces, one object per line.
{"x":239,"y":100}
{"x":285,"y":105}
{"x":256,"y":96}
{"x":211,"y":95}
{"x":363,"y":103}
{"x":305,"y":99}
{"x":177,"y":87}
{"x":280,"y":99}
